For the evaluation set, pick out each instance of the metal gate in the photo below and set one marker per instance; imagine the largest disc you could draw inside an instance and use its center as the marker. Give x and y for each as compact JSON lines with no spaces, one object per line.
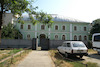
{"x":44,"y":43}
{"x":34,"y":44}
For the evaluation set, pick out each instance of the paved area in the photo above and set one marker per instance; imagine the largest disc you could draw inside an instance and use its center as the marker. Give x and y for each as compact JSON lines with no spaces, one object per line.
{"x":37,"y":59}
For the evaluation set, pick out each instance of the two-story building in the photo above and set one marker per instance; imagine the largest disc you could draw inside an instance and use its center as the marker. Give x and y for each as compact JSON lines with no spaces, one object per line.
{"x":63,"y":28}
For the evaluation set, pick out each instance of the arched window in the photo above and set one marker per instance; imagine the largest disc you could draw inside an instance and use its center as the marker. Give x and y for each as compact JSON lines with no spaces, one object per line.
{"x":56,"y":27}
{"x":84,"y":28}
{"x":21,"y":26}
{"x":28,"y":36}
{"x":56,"y":37}
{"x":29,"y":26}
{"x":80,"y":38}
{"x":85,"y":37}
{"x":75,"y":37}
{"x":42,"y":27}
{"x":75,"y":28}
{"x":63,"y":27}
{"x":63,"y":37}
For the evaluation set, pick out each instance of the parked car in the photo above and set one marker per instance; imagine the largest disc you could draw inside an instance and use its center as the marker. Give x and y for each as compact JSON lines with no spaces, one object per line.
{"x":73,"y":48}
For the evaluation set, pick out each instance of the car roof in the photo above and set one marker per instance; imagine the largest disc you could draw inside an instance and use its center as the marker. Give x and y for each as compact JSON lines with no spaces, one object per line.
{"x":71,"y":41}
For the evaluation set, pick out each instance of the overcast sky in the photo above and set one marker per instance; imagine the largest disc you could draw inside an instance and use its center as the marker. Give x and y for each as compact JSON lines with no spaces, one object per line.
{"x":84,"y":10}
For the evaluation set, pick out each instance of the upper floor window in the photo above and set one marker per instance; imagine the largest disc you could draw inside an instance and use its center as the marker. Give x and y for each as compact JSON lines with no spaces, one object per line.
{"x":42,"y":27}
{"x":84,"y":28}
{"x":85,"y":37}
{"x":28,"y":36}
{"x":80,"y":38}
{"x":56,"y":27}
{"x":75,"y":28}
{"x":21,"y":26}
{"x":29,"y":26}
{"x":75,"y":37}
{"x":63,"y":37}
{"x":63,"y":27}
{"x":56,"y":37}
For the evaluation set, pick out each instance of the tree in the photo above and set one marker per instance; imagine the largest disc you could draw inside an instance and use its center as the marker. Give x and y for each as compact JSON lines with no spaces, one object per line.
{"x":95,"y":28}
{"x":21,"y":6}
{"x":14,"y":33}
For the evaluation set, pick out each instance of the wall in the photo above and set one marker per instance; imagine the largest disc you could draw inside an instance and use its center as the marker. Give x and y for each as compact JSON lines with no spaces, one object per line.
{"x":14,"y":43}
{"x":56,"y":43}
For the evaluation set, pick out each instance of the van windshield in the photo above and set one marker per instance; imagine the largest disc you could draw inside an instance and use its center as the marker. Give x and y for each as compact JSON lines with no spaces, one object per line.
{"x":97,"y":38}
{"x":78,"y":44}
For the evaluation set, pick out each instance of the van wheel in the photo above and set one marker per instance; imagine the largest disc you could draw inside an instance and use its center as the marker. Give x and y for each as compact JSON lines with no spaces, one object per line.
{"x":81,"y":56}
{"x":66,"y":55}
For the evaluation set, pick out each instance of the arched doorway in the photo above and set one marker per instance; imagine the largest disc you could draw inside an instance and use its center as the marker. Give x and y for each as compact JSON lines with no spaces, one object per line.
{"x":42,"y":36}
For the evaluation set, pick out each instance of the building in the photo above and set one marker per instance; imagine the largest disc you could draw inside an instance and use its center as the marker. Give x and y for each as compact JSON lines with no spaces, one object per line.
{"x":9,"y":18}
{"x":63,"y":28}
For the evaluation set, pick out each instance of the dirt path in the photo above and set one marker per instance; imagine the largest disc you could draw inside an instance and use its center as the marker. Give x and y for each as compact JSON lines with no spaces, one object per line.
{"x":93,"y":58}
{"x":37,"y":59}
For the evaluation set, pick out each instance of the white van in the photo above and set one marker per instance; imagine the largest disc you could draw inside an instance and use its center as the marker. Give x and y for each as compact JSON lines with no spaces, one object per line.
{"x":96,"y":42}
{"x":73,"y":48}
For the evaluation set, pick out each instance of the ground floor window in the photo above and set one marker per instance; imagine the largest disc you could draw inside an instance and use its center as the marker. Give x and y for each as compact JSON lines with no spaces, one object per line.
{"x":28,"y":36}
{"x":75,"y":37}
{"x":80,"y":38}
{"x":85,"y":37}
{"x":56,"y":37}
{"x":63,"y":37}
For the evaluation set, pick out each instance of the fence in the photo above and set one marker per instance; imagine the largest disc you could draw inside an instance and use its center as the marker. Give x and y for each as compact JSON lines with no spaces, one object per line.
{"x":15,"y":43}
{"x":56,"y":43}
{"x":22,"y":43}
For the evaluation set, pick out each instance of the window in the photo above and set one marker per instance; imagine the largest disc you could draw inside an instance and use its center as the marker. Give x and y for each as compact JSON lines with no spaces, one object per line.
{"x":21,"y":26}
{"x":68,"y":45}
{"x":84,"y":28}
{"x":63,"y":37}
{"x":85,"y":37}
{"x":56,"y":27}
{"x":42,"y":27}
{"x":80,"y":38}
{"x":29,"y":26}
{"x":75,"y":37}
{"x":63,"y":27}
{"x":78,"y":44}
{"x":56,"y":37}
{"x":28,"y":36}
{"x":97,"y":38}
{"x":75,"y":28}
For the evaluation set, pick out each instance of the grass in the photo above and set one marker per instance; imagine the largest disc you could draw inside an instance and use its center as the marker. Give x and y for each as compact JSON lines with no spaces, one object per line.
{"x":7,"y":53}
{"x":13,"y":61}
{"x":60,"y":62}
{"x":91,"y":51}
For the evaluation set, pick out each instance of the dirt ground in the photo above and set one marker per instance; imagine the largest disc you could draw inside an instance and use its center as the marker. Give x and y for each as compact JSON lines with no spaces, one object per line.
{"x":95,"y":58}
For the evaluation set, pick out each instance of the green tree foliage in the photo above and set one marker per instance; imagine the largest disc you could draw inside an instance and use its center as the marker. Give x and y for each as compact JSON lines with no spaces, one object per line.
{"x":10,"y":32}
{"x":21,"y":6}
{"x":95,"y":28}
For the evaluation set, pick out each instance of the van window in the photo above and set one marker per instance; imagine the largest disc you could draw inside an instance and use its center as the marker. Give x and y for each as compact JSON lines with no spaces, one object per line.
{"x":97,"y":38}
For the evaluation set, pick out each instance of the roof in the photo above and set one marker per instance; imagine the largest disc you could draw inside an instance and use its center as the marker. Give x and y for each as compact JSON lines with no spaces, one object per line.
{"x":58,"y":18}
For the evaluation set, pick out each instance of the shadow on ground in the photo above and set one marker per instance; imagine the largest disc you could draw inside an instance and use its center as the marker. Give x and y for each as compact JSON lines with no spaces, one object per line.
{"x":95,"y":56}
{"x":73,"y":58}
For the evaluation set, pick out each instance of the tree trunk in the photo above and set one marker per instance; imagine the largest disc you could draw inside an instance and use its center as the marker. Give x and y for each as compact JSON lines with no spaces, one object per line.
{"x":1,"y":20}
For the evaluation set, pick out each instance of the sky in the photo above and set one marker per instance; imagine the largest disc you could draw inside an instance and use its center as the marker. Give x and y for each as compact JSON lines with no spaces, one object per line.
{"x":84,"y":10}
